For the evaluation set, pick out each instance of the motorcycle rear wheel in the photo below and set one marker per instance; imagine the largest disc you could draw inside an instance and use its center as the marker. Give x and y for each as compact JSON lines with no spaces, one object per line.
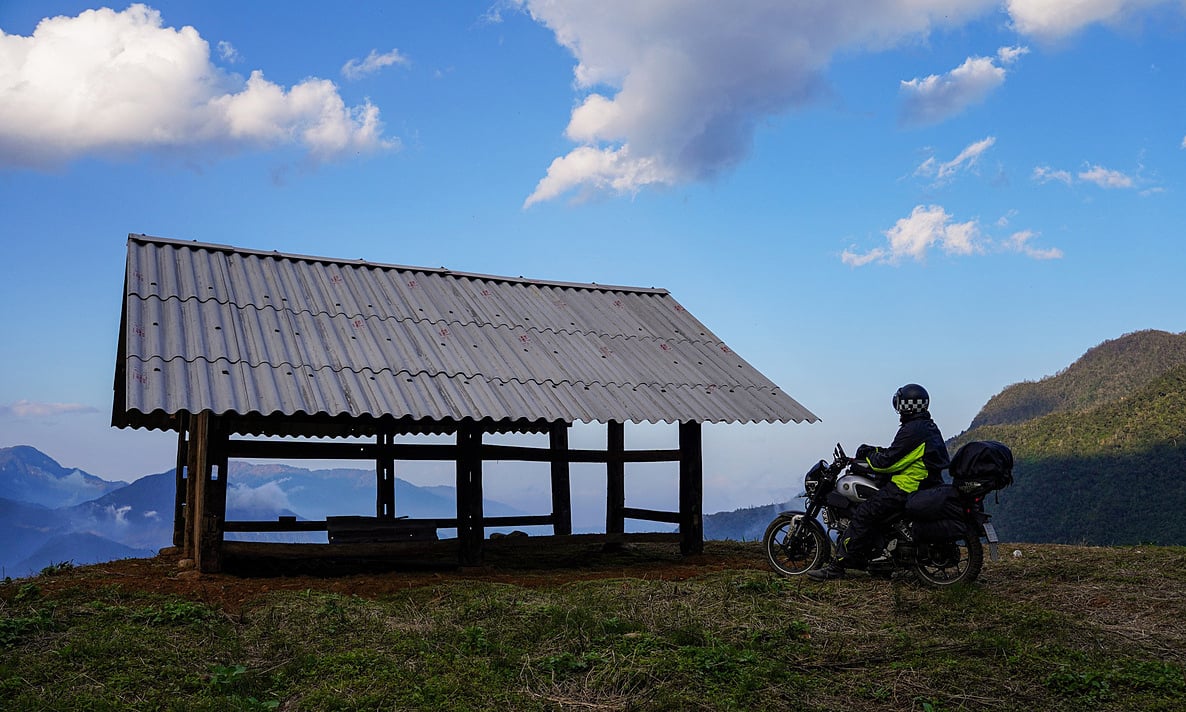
{"x":949,"y":563}
{"x":810,"y":549}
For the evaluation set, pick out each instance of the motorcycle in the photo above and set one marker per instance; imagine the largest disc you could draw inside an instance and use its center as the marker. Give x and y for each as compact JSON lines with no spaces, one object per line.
{"x":939,"y":550}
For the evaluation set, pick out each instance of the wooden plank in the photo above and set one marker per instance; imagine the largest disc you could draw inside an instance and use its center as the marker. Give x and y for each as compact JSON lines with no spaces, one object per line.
{"x":651,"y":515}
{"x":351,"y":529}
{"x":535,"y":454}
{"x":279,"y":449}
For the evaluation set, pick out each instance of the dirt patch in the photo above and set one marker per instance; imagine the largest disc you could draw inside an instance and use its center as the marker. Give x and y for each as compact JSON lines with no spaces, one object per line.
{"x":248,"y":578}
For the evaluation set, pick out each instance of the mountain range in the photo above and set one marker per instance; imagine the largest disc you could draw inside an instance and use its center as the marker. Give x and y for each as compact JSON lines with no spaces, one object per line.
{"x":50,"y":514}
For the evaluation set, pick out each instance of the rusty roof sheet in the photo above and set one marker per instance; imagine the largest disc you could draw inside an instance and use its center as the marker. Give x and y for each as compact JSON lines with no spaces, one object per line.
{"x":269,"y":335}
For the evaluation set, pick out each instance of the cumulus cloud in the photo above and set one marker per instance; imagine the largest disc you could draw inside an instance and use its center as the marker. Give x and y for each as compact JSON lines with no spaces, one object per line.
{"x":108,"y":81}
{"x":1106,"y":177}
{"x":228,"y":53}
{"x":1020,"y":242}
{"x":269,"y":496}
{"x":1055,"y":19}
{"x":1045,"y":174}
{"x":356,"y":69}
{"x":30,"y":409}
{"x":674,"y":90}
{"x":965,"y":160}
{"x":1094,"y":174}
{"x":935,"y":98}
{"x":930,"y":228}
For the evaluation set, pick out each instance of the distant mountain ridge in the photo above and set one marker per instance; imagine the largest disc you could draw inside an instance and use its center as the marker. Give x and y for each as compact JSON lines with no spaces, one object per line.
{"x":1111,"y":371}
{"x":29,"y":475}
{"x":50,"y":514}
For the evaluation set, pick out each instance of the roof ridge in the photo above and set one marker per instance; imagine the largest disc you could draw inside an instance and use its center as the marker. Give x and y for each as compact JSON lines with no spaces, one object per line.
{"x":216,"y":247}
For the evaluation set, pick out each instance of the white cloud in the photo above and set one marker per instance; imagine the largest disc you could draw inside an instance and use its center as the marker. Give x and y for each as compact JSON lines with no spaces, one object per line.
{"x":1055,"y":19}
{"x":1020,"y":242}
{"x":1106,"y":178}
{"x":931,"y":227}
{"x":966,"y":159}
{"x":269,"y":496}
{"x":935,"y":98}
{"x":355,"y":69}
{"x":1045,"y":174}
{"x":228,"y":53}
{"x":913,"y":237}
{"x":108,"y":81}
{"x":29,"y":409}
{"x":675,"y":88}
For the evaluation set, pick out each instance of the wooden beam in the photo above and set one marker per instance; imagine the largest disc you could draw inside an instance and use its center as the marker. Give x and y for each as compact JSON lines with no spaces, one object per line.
{"x":385,"y":478}
{"x":535,"y":454}
{"x":179,"y":484}
{"x":691,"y":489}
{"x":615,"y":478}
{"x":199,"y":475}
{"x":561,"y":478}
{"x":470,"y":530}
{"x":214,"y":484}
{"x":651,"y":515}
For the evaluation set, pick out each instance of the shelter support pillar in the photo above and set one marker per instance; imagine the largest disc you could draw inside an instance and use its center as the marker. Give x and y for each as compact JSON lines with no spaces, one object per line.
{"x":615,"y":478}
{"x":207,"y":478}
{"x":179,"y":481}
{"x":691,"y":489}
{"x":561,"y":487}
{"x":470,"y":527}
{"x":385,"y":478}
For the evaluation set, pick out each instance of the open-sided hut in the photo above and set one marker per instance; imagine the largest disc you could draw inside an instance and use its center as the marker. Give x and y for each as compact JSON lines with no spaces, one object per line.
{"x":231,"y":347}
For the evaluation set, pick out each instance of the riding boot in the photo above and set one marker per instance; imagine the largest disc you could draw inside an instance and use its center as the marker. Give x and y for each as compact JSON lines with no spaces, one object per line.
{"x":832,"y":571}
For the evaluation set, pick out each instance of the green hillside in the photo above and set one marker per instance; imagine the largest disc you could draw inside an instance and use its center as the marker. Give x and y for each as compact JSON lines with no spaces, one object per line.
{"x":1103,"y":463}
{"x":1111,"y":371}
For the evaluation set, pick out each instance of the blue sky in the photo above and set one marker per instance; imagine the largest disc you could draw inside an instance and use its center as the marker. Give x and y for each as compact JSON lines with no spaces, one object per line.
{"x":965,"y":194}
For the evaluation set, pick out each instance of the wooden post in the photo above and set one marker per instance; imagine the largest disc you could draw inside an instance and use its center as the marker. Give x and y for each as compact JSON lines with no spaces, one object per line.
{"x":385,"y":477}
{"x":179,"y":481}
{"x":212,"y":483}
{"x":199,"y":470}
{"x":691,"y":489}
{"x":561,"y":484}
{"x":470,"y":529}
{"x":615,"y":478}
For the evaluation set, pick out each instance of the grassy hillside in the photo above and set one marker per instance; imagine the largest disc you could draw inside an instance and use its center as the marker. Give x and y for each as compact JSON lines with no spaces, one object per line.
{"x":1111,"y":371}
{"x":1056,"y":628}
{"x":1109,"y":470}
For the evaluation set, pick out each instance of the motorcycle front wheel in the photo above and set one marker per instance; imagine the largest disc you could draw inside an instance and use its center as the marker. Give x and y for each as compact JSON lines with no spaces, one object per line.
{"x":792,"y":556}
{"x":947,"y":563}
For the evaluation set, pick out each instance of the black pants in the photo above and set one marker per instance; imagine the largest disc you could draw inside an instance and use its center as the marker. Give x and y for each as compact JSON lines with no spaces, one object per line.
{"x":855,"y":545}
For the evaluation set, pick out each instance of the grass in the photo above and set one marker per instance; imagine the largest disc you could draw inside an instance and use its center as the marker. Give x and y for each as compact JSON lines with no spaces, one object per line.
{"x":1061,"y":628}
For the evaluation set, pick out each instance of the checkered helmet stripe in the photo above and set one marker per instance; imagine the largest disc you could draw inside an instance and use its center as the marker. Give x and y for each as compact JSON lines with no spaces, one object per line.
{"x":913,"y":405}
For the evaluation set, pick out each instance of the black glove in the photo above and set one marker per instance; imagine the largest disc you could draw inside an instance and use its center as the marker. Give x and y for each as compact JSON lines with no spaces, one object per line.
{"x":864,"y":451}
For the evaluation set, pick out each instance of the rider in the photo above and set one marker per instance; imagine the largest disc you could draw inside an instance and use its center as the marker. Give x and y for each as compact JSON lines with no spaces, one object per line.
{"x":913,"y":461}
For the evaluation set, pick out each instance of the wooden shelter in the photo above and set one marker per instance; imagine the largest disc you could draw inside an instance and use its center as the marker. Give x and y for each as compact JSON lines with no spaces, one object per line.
{"x":253,"y":354}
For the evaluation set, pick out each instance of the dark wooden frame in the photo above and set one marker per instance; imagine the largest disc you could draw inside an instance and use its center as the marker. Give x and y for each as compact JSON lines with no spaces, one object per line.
{"x":205,"y":446}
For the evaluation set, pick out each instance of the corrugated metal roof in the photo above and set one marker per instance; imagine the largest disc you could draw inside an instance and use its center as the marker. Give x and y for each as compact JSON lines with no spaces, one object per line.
{"x":213,"y":327}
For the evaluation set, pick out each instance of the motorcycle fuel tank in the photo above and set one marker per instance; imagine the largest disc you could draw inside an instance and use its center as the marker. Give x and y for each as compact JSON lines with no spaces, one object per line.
{"x":856,"y":488}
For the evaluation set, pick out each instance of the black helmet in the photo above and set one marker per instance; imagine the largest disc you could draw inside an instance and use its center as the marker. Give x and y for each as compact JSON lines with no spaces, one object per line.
{"x":910,"y":399}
